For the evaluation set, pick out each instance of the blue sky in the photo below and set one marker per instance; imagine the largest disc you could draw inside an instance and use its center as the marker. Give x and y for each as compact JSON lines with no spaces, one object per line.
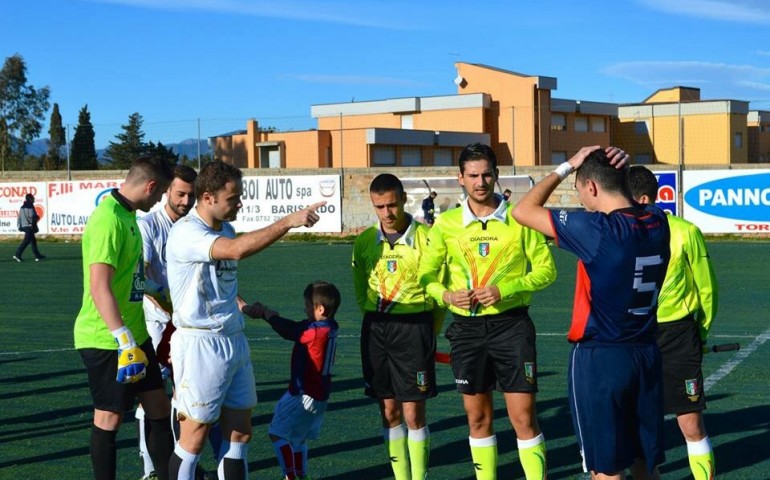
{"x":224,"y":61}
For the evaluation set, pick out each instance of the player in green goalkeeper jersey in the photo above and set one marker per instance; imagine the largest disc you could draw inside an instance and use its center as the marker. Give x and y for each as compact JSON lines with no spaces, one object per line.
{"x":493,"y":265}
{"x":686,"y":307}
{"x":110,"y":332}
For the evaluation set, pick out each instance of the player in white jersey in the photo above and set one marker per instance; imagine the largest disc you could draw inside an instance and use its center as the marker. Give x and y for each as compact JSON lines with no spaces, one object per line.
{"x":212,"y":364}
{"x":154,"y":227}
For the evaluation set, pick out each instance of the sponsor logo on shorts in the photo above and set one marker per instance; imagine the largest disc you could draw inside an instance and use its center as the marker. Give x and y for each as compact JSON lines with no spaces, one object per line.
{"x":462,"y":381}
{"x":422,"y":381}
{"x":530,"y":372}
{"x":484,"y":249}
{"x":392,"y":266}
{"x":693,"y":389}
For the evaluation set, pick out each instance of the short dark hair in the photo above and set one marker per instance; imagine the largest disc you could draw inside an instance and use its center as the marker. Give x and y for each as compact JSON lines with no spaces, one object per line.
{"x":185,"y":174}
{"x":386,"y":182}
{"x":29,"y":198}
{"x":214,"y":176}
{"x":150,"y":167}
{"x":324,"y":294}
{"x":597,"y":167}
{"x":642,"y":181}
{"x":477,"y":151}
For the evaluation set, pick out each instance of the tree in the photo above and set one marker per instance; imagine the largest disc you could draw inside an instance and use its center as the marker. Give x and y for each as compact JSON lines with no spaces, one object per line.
{"x":163,"y":152}
{"x":130,"y":146}
{"x":22,"y":106}
{"x":5,"y":142}
{"x":83,"y":153}
{"x":56,"y":140}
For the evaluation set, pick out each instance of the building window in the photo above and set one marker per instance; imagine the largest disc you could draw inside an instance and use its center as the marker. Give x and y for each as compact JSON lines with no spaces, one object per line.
{"x":738,"y":140}
{"x":442,"y":157}
{"x":581,"y":124}
{"x":411,"y":156}
{"x":642,"y":159}
{"x":557,"y":158}
{"x":558,"y":121}
{"x":383,"y":155}
{"x":407,"y":122}
{"x":598,"y":124}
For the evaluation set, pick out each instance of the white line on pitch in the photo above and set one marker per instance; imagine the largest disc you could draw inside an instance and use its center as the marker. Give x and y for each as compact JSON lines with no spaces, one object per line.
{"x":737,"y":359}
{"x":25,"y":352}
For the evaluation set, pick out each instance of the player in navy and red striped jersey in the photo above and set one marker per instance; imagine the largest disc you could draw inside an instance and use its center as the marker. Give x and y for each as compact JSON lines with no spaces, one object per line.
{"x":300,"y":411}
{"x":615,"y":376}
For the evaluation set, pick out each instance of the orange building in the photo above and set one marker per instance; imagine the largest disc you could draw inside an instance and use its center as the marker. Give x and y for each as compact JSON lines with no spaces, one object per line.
{"x":516,"y":115}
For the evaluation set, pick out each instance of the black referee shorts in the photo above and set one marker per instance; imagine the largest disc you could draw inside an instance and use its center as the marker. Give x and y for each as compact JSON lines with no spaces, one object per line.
{"x":682,"y":353}
{"x":494,"y":352}
{"x":398,"y":356}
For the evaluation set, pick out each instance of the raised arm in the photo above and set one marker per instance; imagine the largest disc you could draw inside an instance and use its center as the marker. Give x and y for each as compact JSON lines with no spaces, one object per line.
{"x":530,"y":211}
{"x":253,"y":242}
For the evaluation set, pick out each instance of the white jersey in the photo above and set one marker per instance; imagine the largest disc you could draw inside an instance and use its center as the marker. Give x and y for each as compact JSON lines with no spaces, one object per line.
{"x":155,"y":227}
{"x":204,"y":291}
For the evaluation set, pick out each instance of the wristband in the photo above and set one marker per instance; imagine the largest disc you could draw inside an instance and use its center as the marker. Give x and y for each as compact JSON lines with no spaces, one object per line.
{"x":564,"y":170}
{"x":124,"y":338}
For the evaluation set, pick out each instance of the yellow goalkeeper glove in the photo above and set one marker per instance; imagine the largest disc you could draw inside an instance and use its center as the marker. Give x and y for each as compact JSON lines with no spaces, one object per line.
{"x":132,"y":362}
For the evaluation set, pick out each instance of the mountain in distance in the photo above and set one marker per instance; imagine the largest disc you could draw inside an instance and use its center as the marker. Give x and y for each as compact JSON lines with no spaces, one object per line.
{"x":187,"y":147}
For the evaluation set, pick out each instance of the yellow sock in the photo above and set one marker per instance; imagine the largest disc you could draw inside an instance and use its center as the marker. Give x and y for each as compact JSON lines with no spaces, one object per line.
{"x":484,"y":455}
{"x":418,"y":442}
{"x":532,"y":457}
{"x":701,"y":458}
{"x":395,"y":444}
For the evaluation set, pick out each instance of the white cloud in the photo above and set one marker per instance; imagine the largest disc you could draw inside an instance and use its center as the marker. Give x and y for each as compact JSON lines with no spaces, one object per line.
{"x":733,"y":81}
{"x":756,"y":86}
{"x":763,"y":53}
{"x":742,"y":11}
{"x":359,"y":13}
{"x":353,"y":80}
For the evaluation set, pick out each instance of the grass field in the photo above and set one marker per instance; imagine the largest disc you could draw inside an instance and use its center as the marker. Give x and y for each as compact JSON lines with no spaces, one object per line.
{"x":45,"y":408}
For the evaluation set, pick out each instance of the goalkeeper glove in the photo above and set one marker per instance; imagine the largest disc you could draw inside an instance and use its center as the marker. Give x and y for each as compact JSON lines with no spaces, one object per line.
{"x":132,"y":362}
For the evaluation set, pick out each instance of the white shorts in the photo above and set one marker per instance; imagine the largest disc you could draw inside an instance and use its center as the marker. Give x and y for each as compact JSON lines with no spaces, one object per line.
{"x":293,"y":423}
{"x":211,"y":371}
{"x":156,"y":319}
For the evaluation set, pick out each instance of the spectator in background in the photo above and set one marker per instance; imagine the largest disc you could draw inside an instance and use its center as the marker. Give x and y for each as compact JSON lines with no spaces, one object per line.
{"x":507,"y":194}
{"x":429,"y":208}
{"x":27,"y":223}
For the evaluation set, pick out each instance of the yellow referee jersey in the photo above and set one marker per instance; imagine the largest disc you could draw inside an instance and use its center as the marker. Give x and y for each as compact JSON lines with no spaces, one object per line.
{"x":478,"y":252}
{"x":385,"y":277}
{"x":690,"y":287}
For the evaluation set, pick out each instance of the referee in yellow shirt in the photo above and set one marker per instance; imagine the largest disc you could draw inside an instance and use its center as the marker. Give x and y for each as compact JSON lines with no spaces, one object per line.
{"x":687,"y":305}
{"x":493,"y":266}
{"x":398,"y":339}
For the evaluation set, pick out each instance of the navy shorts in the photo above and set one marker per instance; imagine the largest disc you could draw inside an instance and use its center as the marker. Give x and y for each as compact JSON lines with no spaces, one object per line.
{"x":494,"y":352}
{"x":398,"y":356}
{"x":107,"y":393}
{"x":616,"y":400}
{"x":682,"y":353}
